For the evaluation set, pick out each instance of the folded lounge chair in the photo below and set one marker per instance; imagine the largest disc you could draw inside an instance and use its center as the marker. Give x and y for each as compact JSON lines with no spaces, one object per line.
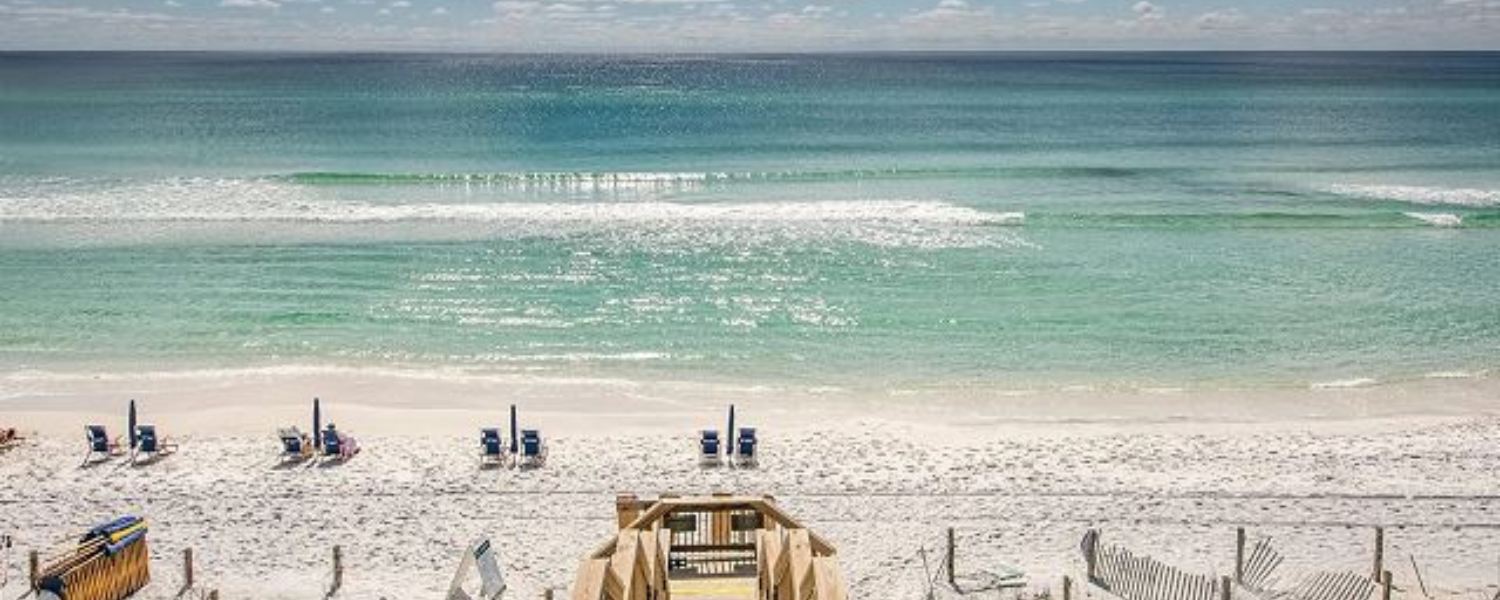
{"x":148,"y":443}
{"x":708,"y":449}
{"x":533,"y":449}
{"x":101,"y":447}
{"x":295,"y":445}
{"x":745,"y":447}
{"x":491,"y":447}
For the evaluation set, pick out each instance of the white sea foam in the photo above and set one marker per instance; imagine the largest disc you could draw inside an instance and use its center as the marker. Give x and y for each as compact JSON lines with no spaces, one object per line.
{"x":888,"y":222}
{"x":265,"y":200}
{"x":1437,"y":219}
{"x":1455,"y":374}
{"x":1415,"y":194}
{"x":1356,"y":382}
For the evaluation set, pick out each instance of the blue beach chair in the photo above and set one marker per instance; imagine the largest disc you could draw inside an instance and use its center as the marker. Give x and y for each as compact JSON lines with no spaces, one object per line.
{"x":149,"y":444}
{"x":533,"y":449}
{"x":708,"y":449}
{"x":744,"y":455}
{"x":295,"y":445}
{"x":338,"y":446}
{"x":100,"y":444}
{"x":491,"y":447}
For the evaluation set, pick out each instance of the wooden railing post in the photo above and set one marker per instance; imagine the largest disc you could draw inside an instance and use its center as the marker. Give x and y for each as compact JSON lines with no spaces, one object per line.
{"x":1239,"y":555}
{"x":1224,"y":591}
{"x":1067,"y":588}
{"x":1379,"y":552}
{"x":36,"y":569}
{"x":1385,"y":585}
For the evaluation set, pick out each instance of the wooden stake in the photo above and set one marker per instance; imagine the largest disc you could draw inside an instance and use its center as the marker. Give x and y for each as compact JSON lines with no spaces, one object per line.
{"x":1385,"y":585}
{"x":1239,"y":555}
{"x":1379,"y":551}
{"x":1224,"y":591}
{"x":36,"y":569}
{"x":950,"y":556}
{"x":547,"y":595}
{"x":1067,"y":588}
{"x":1092,"y":561}
{"x":213,"y":595}
{"x":187,"y":569}
{"x":338,"y":570}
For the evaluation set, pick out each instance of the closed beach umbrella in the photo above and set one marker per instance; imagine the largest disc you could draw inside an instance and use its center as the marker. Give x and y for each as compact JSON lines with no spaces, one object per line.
{"x":730,"y":434}
{"x":515,"y":444}
{"x":131,"y":419}
{"x":317,"y":424}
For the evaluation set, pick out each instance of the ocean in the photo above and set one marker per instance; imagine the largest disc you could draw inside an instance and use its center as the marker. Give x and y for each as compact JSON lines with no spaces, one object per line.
{"x":858,"y":221}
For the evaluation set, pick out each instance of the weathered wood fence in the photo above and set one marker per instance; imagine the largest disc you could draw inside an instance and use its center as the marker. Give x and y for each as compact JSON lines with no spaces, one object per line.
{"x":1132,"y":576}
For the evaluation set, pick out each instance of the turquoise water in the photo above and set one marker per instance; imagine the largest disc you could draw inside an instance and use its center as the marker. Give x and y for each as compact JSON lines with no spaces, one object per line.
{"x":856,"y":220}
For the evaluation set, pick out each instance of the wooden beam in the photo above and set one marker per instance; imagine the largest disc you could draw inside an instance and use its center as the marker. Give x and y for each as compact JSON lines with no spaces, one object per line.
{"x":623,"y":563}
{"x":828,"y":580}
{"x":590,"y":582}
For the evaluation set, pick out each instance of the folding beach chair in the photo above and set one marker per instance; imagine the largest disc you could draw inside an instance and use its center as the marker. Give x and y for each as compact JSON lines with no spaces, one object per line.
{"x":9,"y":438}
{"x":744,"y":455}
{"x":100,"y":444}
{"x":491,"y":447}
{"x":533,"y":449}
{"x":295,"y":445}
{"x":148,"y":443}
{"x":708,"y":449}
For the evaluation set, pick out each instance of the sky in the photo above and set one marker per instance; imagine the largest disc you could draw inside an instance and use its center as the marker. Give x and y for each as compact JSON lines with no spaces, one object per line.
{"x":746,"y":25}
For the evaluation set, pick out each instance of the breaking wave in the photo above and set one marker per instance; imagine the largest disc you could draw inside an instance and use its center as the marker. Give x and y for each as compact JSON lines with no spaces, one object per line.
{"x":1414,"y":194}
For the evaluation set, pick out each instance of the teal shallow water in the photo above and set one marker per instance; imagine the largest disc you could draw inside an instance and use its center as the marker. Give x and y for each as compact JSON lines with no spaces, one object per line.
{"x":858,"y":221}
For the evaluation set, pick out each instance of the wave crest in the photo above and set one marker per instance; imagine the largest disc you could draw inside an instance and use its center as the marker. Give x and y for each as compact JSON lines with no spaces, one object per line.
{"x":1415,"y":194}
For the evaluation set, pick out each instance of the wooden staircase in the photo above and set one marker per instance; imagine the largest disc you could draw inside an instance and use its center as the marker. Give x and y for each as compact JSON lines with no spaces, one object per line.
{"x":709,"y":548}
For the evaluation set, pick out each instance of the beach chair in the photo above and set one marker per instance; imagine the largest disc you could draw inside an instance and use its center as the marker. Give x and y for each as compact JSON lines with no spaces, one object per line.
{"x":100,"y":445}
{"x":9,"y":438}
{"x":295,"y":445}
{"x":149,"y":444}
{"x":491,"y":447}
{"x":708,"y":449}
{"x":745,"y":446}
{"x":337,"y":445}
{"x":533,"y":449}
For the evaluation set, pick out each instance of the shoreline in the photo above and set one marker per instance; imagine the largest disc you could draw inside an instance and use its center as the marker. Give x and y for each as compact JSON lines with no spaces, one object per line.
{"x":443,"y":401}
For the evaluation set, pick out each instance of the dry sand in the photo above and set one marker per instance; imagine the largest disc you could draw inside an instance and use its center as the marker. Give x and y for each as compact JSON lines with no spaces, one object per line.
{"x":1020,"y":474}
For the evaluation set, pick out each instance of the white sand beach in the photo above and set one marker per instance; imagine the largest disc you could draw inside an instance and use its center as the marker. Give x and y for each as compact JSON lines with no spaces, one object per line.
{"x":1020,"y":475}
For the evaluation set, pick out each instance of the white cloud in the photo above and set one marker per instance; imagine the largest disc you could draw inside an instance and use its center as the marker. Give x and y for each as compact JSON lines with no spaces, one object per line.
{"x":400,"y":4}
{"x":327,"y":10}
{"x":172,"y":3}
{"x":250,"y":3}
{"x":1146,"y":11}
{"x":816,"y":11}
{"x":1219,"y":20}
{"x":439,"y":11}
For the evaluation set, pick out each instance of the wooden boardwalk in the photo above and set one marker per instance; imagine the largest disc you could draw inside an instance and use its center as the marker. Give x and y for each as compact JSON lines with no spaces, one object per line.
{"x":709,"y":548}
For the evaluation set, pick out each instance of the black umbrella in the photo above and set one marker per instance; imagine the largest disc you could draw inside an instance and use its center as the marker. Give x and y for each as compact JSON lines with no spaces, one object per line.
{"x":317,"y":424}
{"x":131,"y":433}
